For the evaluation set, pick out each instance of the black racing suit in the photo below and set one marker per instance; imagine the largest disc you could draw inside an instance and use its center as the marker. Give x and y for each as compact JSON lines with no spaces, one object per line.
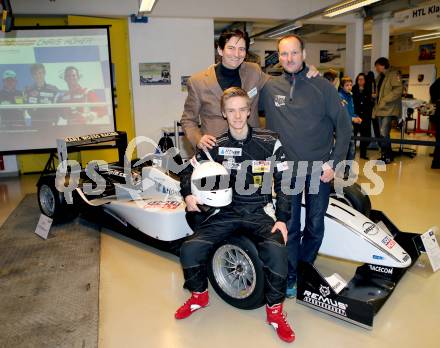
{"x":254,"y":163}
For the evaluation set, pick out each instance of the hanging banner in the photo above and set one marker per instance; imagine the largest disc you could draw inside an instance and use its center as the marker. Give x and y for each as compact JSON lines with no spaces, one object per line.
{"x":426,"y":14}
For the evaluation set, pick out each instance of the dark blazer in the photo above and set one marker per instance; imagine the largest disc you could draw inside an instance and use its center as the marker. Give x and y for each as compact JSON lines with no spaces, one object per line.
{"x":203,"y":102}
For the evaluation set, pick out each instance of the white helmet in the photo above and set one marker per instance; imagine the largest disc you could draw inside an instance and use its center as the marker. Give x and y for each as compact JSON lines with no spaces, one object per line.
{"x":210,"y":184}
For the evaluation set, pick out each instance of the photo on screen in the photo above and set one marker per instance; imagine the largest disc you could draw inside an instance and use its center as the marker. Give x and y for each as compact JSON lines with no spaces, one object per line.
{"x":54,"y":83}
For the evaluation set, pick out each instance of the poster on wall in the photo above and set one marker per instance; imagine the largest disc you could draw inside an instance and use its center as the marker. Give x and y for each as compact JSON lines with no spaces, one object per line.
{"x":421,"y":77}
{"x":327,"y":56}
{"x":184,"y":83}
{"x":154,"y":74}
{"x":427,"y":52}
{"x":271,"y":63}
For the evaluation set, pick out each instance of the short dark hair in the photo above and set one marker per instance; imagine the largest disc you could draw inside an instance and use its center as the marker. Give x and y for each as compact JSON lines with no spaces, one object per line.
{"x":299,"y":38}
{"x":225,"y":36}
{"x":234,"y":92}
{"x":37,"y":66}
{"x":382,"y":61}
{"x":330,"y":75}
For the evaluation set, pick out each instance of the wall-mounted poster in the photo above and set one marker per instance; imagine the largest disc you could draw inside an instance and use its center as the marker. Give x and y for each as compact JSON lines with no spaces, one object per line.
{"x":184,"y":83}
{"x":271,"y":63}
{"x":326,"y":56}
{"x":421,"y":78}
{"x":427,"y":52}
{"x":154,"y":74}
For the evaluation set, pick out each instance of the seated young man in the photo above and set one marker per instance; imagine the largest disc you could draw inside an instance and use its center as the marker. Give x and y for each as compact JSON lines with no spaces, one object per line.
{"x":249,"y":154}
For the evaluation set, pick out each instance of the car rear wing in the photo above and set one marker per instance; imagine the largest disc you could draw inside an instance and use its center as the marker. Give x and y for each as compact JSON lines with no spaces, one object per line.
{"x":98,"y":141}
{"x":89,"y":142}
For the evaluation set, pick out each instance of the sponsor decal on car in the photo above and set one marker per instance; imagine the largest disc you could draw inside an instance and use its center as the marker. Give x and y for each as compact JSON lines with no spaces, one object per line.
{"x":370,"y":228}
{"x":91,"y":136}
{"x":377,"y":257}
{"x":381,"y":269}
{"x":116,"y":173}
{"x":162,"y":204}
{"x":324,"y":302}
{"x":390,"y":243}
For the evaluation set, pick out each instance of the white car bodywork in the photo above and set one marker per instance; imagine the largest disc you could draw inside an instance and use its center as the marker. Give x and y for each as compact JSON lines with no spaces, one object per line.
{"x":158,"y":211}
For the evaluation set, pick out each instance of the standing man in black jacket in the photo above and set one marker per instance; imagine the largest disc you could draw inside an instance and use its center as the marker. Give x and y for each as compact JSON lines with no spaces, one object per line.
{"x":315,"y":131}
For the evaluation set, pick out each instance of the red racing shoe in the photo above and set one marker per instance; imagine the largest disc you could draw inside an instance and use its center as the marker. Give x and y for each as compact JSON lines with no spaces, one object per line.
{"x":196,"y":301}
{"x":277,"y":319}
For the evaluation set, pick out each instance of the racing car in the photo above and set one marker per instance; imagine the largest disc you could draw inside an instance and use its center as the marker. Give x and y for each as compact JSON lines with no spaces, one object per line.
{"x":144,"y":204}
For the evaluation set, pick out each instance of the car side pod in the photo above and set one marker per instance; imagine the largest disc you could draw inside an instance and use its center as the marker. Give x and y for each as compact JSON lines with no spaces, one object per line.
{"x":368,"y":290}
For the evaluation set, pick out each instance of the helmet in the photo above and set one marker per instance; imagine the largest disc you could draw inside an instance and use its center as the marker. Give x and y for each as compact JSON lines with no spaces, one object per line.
{"x":210,"y":184}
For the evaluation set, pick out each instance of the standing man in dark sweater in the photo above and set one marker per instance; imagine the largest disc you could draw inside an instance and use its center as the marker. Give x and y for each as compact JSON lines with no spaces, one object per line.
{"x":315,"y":131}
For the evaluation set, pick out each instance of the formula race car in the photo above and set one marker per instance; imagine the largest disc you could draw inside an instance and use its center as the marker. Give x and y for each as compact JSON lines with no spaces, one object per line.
{"x":142,"y":201}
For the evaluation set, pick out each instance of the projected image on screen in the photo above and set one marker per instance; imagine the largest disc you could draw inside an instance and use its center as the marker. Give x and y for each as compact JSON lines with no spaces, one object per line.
{"x":54,"y":84}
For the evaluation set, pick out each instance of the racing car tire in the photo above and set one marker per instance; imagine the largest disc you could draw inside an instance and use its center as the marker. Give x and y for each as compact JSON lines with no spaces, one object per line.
{"x":355,"y":198}
{"x":241,"y":253}
{"x":53,"y":204}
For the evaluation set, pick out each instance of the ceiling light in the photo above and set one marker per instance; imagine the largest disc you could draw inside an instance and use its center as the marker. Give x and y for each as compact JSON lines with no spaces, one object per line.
{"x":146,"y":5}
{"x":430,"y":36}
{"x":347,"y":6}
{"x":284,"y":30}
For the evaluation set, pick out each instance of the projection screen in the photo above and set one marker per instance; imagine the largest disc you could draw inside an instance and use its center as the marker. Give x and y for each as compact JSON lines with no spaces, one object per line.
{"x":54,"y":83}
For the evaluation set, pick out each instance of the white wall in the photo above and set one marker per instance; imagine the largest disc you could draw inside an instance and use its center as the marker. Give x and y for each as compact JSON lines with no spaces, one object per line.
{"x":188,"y":44}
{"x":312,"y":52}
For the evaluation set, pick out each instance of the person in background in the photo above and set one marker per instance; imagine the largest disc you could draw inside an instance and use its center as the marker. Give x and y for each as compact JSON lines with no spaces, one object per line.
{"x":41,"y":92}
{"x":315,"y":131}
{"x":347,"y":102}
{"x":77,"y":94}
{"x":388,"y":102}
{"x":434,"y":92}
{"x":205,"y":89}
{"x":363,"y":107}
{"x":10,"y":95}
{"x":332,"y":76}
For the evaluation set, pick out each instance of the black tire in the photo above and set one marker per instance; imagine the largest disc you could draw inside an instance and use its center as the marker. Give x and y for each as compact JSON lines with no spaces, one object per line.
{"x":248,"y":268}
{"x":355,"y":198}
{"x":52,"y":202}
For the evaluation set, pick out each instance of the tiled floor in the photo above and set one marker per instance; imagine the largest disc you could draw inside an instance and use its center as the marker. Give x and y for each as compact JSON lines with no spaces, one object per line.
{"x":141,"y":287}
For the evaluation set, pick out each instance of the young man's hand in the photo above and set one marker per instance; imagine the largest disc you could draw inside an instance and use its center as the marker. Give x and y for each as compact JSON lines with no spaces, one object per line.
{"x":191,"y":203}
{"x":280,"y":226}
{"x":206,"y":142}
{"x":327,"y":175}
{"x":356,"y":120}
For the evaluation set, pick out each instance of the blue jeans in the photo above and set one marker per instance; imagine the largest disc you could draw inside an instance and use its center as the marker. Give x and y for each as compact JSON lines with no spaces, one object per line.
{"x":304,"y":245}
{"x":385,"y":130}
